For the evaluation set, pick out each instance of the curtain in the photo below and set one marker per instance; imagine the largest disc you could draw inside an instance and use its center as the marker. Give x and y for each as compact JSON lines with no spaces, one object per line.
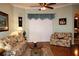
{"x":41,"y":16}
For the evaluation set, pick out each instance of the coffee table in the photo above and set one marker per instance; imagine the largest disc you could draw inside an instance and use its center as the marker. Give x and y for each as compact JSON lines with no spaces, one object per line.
{"x":36,"y":51}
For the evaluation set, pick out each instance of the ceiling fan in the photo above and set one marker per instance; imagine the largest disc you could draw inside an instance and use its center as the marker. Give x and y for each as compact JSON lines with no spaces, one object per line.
{"x":45,"y":6}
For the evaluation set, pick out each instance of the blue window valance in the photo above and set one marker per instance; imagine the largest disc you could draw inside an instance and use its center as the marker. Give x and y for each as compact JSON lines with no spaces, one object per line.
{"x":41,"y":16}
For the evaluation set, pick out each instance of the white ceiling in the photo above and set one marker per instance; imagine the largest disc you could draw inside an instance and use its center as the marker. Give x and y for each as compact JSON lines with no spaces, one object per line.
{"x":36,"y":5}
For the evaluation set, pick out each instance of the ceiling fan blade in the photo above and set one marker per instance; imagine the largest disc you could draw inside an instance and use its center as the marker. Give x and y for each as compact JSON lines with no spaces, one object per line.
{"x":51,"y":3}
{"x":49,"y":7}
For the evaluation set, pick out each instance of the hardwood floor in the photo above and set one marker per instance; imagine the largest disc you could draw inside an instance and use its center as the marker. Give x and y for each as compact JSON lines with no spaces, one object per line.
{"x":58,"y":50}
{"x":75,"y":50}
{"x":65,"y":51}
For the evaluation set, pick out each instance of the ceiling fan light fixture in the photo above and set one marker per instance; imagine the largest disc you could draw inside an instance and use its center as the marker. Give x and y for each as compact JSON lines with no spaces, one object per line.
{"x":43,"y":8}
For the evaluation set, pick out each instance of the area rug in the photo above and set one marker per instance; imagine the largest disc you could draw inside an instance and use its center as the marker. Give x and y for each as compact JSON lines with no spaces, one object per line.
{"x":47,"y":51}
{"x":36,"y":52}
{"x":44,"y":51}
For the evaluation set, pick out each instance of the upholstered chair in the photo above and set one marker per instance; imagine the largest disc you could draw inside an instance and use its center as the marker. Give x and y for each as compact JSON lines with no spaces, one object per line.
{"x":61,"y":39}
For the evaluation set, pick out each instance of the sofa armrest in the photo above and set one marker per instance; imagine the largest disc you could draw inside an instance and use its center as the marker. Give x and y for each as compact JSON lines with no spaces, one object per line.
{"x":20,"y":48}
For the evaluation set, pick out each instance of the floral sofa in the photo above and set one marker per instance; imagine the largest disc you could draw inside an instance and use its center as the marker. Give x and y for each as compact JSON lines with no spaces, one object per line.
{"x":61,"y":39}
{"x":14,"y":45}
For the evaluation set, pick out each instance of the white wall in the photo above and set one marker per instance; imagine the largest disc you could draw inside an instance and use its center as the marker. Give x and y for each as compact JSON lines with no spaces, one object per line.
{"x":65,"y":12}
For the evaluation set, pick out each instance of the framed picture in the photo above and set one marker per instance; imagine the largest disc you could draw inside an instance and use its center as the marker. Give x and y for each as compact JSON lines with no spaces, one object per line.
{"x":3,"y":21}
{"x":20,"y":21}
{"x":62,"y":21}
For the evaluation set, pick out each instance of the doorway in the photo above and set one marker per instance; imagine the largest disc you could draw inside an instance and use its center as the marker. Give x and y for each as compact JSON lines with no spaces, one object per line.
{"x":40,"y":30}
{"x":40,"y":27}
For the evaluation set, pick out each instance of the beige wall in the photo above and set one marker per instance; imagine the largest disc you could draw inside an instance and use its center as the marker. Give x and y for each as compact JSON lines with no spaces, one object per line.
{"x":6,"y":8}
{"x":13,"y":13}
{"x":17,"y":12}
{"x":76,"y":8}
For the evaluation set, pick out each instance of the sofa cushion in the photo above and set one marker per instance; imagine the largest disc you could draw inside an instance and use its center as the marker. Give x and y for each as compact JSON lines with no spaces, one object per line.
{"x":12,"y":41}
{"x":62,"y":35}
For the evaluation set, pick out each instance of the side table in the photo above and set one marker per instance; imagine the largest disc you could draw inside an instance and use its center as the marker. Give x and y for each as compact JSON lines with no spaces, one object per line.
{"x":2,"y":51}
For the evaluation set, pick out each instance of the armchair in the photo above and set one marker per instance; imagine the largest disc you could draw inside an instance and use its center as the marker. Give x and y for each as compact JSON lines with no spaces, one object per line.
{"x":61,"y":39}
